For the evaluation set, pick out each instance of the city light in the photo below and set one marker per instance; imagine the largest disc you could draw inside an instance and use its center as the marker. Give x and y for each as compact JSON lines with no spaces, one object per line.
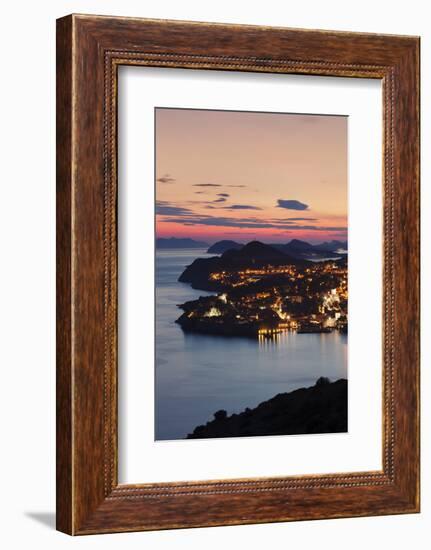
{"x":273,"y":299}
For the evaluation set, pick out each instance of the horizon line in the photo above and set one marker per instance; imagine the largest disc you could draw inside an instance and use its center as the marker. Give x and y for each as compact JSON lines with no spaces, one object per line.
{"x":209,"y":241}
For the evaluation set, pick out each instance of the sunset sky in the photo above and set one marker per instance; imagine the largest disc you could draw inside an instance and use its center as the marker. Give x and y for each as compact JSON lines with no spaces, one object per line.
{"x":250,"y":176}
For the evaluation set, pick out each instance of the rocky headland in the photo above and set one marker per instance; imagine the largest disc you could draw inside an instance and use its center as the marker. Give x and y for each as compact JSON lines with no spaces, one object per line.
{"x":321,"y":408}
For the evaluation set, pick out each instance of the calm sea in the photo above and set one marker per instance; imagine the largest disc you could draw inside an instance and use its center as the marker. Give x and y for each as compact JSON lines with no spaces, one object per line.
{"x":196,"y":375}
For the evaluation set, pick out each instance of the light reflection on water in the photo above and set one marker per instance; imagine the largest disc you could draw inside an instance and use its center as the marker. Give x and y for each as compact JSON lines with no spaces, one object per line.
{"x":196,"y":374}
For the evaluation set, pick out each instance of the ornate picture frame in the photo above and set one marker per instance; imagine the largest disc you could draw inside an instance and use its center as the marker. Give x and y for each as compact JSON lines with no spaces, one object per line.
{"x":89,"y":51}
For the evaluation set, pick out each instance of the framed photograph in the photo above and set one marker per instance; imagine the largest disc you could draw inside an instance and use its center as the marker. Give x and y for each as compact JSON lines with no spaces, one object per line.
{"x":237,"y":274}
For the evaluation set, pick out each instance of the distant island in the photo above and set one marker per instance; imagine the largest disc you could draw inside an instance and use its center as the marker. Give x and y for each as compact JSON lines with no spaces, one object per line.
{"x":174,"y":242}
{"x":295,"y":248}
{"x":321,"y":408}
{"x":221,"y":246}
{"x":303,"y":249}
{"x":262,"y":292}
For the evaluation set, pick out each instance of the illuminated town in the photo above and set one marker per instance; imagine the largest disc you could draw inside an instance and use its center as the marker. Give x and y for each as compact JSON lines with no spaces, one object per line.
{"x":268,"y":300}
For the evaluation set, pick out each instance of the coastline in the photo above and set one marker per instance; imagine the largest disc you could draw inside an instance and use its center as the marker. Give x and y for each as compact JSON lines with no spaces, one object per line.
{"x":197,"y":373}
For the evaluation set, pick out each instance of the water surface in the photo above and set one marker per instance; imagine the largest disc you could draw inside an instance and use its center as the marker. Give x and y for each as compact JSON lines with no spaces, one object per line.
{"x":196,"y":374}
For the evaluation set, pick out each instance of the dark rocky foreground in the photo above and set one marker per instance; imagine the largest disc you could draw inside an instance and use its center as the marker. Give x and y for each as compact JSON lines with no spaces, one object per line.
{"x":321,"y":408}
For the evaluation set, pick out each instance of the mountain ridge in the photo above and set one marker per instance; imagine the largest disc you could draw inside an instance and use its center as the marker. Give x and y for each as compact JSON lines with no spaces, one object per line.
{"x":253,"y":254}
{"x":295,"y":247}
{"x":221,"y":246}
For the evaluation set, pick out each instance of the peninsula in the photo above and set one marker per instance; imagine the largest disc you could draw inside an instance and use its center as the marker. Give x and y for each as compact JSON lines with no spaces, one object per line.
{"x":262,"y":291}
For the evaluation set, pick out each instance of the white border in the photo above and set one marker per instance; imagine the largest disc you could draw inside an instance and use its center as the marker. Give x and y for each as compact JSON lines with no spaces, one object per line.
{"x":143,"y":460}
